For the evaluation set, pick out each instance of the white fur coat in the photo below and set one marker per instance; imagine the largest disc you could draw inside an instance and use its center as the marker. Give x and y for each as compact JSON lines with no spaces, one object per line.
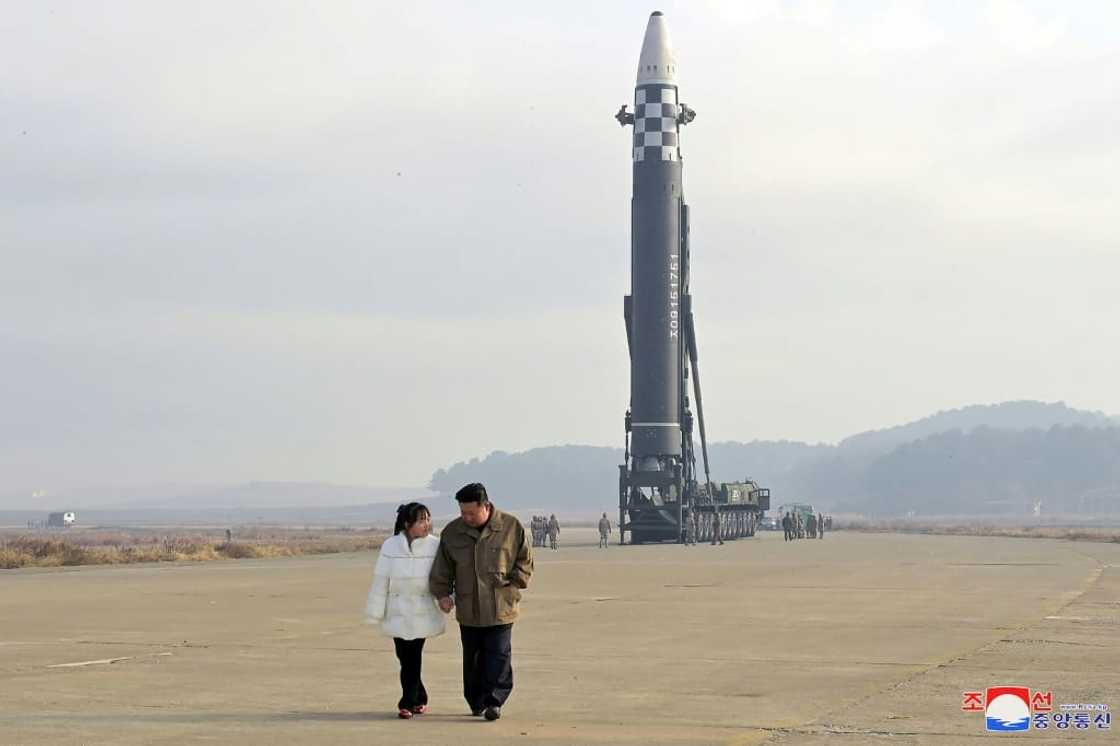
{"x":399,"y":600}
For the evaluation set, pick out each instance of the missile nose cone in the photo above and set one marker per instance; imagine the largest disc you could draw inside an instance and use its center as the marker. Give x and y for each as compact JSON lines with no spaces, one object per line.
{"x":657,"y":63}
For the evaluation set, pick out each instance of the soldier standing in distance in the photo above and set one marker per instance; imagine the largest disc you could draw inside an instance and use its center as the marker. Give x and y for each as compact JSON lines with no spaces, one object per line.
{"x":716,"y":537}
{"x":787,"y":526}
{"x":820,"y":525}
{"x":604,"y":531}
{"x":554,"y":531}
{"x":690,"y":527}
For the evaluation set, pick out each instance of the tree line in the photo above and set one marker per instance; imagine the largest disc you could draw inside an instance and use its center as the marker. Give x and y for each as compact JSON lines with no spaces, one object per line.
{"x":998,"y":459}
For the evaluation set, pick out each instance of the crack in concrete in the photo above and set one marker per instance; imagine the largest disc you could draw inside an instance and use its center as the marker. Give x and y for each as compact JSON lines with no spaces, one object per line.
{"x":1036,"y":641}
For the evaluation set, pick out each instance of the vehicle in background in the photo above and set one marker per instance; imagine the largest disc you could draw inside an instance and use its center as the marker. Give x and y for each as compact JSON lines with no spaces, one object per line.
{"x":803,"y":509}
{"x":61,"y":520}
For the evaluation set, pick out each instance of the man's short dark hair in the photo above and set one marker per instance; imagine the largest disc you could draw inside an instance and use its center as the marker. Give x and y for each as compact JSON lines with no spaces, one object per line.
{"x":472,"y":493}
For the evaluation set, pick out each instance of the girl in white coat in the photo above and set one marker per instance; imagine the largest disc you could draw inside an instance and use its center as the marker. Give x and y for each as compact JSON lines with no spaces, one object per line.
{"x":400,"y":602}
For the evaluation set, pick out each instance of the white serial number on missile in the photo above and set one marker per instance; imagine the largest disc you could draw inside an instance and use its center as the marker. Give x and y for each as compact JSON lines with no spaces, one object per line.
{"x":674,"y":295}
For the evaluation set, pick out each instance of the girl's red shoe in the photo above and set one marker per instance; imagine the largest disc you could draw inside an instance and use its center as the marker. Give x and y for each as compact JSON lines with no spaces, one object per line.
{"x":419,"y":709}
{"x":404,"y":714}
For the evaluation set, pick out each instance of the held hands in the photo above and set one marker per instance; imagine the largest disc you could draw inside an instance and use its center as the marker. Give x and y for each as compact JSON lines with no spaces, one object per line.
{"x":446,"y":604}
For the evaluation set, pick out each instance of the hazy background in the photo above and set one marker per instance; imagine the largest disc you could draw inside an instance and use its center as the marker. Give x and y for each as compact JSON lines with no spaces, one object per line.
{"x":354,"y":242}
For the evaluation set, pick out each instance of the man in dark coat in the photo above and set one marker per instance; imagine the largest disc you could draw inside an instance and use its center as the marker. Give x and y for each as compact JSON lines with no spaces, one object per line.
{"x":483,"y":559}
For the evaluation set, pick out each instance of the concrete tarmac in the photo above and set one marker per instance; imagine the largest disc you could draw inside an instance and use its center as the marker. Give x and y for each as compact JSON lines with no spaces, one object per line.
{"x":857,"y":638}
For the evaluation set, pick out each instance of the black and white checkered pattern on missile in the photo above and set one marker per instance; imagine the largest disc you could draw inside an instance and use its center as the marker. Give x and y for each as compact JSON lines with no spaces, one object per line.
{"x":655,"y":123}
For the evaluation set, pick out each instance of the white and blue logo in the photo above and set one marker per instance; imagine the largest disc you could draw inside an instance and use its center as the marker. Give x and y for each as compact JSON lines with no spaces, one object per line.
{"x":1007,"y":708}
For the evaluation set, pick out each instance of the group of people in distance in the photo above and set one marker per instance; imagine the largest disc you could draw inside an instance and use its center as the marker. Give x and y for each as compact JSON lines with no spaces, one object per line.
{"x":545,"y":528}
{"x":813,"y":527}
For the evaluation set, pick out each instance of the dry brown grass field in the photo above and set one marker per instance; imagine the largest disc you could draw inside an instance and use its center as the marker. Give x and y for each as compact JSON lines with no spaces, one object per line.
{"x":126,"y":546}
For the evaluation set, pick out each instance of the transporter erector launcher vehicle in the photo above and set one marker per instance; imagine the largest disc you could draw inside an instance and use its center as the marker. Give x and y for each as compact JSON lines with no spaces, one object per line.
{"x":659,"y":491}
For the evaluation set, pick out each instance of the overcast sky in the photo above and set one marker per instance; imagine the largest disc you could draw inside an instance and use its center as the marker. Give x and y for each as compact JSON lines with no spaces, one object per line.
{"x":354,"y":242}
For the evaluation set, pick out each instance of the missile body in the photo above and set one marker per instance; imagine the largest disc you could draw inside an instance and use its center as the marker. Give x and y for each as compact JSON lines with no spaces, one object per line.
{"x":658,"y":480}
{"x":656,"y":253}
{"x":661,"y":495}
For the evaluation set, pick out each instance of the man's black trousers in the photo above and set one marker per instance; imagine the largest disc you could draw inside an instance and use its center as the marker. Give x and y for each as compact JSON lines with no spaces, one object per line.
{"x":487,"y":665}
{"x":409,"y":653}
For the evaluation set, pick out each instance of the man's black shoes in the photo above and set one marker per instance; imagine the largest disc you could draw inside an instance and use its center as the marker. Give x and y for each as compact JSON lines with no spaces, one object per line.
{"x":492,"y":713}
{"x":477,"y":713}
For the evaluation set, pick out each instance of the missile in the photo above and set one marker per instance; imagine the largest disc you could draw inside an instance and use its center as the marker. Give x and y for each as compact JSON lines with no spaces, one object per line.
{"x":660,"y":493}
{"x":658,"y":481}
{"x":655,"y":317}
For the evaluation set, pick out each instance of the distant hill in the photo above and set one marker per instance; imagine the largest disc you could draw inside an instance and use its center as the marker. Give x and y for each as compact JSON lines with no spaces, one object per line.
{"x":841,"y":480}
{"x":1013,"y":415}
{"x":989,"y":471}
{"x":882,"y":471}
{"x":568,"y":479}
{"x":584,"y":479}
{"x":1032,"y":450}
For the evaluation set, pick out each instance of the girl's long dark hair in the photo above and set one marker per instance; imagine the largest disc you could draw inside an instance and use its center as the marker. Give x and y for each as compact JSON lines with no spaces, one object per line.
{"x":408,"y":514}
